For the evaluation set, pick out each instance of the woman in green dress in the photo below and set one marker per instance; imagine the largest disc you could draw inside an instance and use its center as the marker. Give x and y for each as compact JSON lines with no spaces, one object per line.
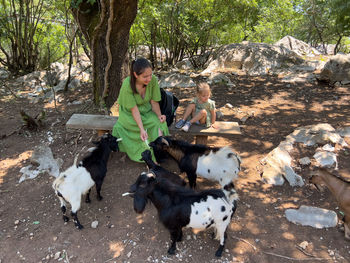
{"x":140,"y":120}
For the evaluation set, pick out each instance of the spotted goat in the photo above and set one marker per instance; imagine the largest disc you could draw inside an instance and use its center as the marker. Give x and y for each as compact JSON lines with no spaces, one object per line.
{"x":180,"y":207}
{"x":213,"y":163}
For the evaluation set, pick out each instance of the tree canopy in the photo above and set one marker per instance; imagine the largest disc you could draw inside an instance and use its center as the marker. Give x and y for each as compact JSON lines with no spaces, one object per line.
{"x":35,"y":33}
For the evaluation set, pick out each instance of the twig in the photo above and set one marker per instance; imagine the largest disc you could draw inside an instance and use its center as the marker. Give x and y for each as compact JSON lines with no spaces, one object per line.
{"x":54,"y":98}
{"x":302,"y":250}
{"x":111,"y":259}
{"x":77,"y":140}
{"x":301,"y":259}
{"x":10,"y":90}
{"x":66,"y":256}
{"x":245,"y":241}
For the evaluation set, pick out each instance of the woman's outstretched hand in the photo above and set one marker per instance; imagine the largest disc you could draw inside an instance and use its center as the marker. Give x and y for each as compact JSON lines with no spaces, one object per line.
{"x":162,"y":118}
{"x":143,"y":135}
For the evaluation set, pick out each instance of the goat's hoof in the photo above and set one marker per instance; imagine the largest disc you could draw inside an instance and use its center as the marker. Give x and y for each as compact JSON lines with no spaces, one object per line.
{"x":79,"y":227}
{"x":171,"y":251}
{"x":65,"y":218}
{"x":99,"y":198}
{"x":218,"y":254}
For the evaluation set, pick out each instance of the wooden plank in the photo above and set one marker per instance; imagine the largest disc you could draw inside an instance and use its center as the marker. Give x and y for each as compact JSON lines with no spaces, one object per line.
{"x":223,"y":128}
{"x":106,"y":123}
{"x":92,"y":122}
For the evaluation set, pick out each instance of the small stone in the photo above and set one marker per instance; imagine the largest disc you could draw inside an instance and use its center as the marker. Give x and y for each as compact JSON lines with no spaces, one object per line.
{"x":57,"y":255}
{"x":94,"y":224}
{"x":188,"y":237}
{"x":303,"y":244}
{"x":129,"y":254}
{"x":55,"y":238}
{"x":228,"y":105}
{"x":305,"y":161}
{"x":17,"y":222}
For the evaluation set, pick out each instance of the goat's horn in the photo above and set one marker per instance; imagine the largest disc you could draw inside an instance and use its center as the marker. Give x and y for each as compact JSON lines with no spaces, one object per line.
{"x":119,"y":139}
{"x":165,"y":141}
{"x":127,"y":193}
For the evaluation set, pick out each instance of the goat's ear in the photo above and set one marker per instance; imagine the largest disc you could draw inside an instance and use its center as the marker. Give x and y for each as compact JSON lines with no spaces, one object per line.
{"x":165,"y":141}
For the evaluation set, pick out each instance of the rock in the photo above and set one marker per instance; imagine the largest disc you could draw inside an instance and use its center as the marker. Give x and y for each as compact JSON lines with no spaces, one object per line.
{"x":219,"y":115}
{"x":305,"y":161}
{"x":326,"y":159}
{"x":43,"y":156}
{"x":228,"y":105}
{"x":253,"y":58}
{"x":94,"y":224}
{"x":303,"y":244}
{"x":312,"y":216}
{"x":298,"y":46}
{"x":337,"y":69}
{"x":17,"y":222}
{"x":57,"y":255}
{"x":176,"y":80}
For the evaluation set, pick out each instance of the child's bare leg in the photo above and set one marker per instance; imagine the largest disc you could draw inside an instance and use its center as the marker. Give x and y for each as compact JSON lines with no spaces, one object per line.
{"x":189,"y":111}
{"x":201,"y":116}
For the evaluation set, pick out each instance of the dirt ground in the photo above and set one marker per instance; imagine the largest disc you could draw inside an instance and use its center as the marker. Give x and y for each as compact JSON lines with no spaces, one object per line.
{"x":31,"y":225}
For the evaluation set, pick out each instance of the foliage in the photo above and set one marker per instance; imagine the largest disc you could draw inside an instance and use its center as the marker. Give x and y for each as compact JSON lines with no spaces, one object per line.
{"x":171,"y":30}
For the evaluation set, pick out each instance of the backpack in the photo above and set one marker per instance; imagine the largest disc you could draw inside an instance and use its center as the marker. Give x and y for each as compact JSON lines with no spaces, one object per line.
{"x":168,"y":105}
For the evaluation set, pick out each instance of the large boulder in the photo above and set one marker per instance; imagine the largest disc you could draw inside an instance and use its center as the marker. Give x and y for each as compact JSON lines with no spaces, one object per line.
{"x":253,"y":58}
{"x":298,"y":46}
{"x":337,"y":69}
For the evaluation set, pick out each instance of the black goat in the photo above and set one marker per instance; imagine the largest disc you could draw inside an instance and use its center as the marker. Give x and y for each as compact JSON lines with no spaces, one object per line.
{"x":160,"y":171}
{"x":180,"y":207}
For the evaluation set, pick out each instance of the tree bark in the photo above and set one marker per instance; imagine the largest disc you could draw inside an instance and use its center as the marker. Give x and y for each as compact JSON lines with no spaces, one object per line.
{"x":106,"y":26}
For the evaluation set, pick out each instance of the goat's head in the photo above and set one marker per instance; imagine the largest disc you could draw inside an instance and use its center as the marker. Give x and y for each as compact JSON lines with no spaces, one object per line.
{"x":109,"y":140}
{"x":160,"y":144}
{"x":140,"y":190}
{"x":146,"y":155}
{"x":316,"y":180}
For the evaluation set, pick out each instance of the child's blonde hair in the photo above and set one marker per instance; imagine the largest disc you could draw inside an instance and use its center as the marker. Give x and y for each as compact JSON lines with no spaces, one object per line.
{"x":203,"y":87}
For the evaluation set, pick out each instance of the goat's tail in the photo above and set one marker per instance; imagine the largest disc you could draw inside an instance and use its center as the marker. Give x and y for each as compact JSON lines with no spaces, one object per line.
{"x":58,"y":181}
{"x":76,"y":157}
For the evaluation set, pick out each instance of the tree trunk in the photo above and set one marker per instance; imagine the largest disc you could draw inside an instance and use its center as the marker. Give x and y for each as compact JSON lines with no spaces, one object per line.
{"x":106,"y":25}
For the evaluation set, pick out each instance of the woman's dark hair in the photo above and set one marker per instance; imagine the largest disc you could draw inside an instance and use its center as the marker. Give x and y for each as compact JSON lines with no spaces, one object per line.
{"x":138,"y":66}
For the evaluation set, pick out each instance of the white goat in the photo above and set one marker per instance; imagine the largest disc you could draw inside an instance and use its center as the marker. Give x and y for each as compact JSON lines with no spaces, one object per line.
{"x":76,"y":181}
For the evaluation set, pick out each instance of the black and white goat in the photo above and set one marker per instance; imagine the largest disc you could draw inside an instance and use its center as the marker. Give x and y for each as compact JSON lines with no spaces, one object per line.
{"x":160,"y":171}
{"x":77,"y":180}
{"x":214,"y":163}
{"x":180,"y":207}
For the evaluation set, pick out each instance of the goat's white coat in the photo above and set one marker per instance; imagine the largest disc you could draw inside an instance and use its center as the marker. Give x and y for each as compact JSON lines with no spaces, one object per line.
{"x":211,"y":210}
{"x":216,"y":166}
{"x":72,"y":184}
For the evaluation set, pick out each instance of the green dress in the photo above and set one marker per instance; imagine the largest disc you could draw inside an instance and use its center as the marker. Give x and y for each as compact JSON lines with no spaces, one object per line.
{"x":126,"y":126}
{"x":208,"y":106}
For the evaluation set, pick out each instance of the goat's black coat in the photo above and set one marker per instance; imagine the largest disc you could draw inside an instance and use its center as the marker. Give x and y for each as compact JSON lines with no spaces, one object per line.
{"x":173,"y":203}
{"x":160,"y":171}
{"x":96,"y":162}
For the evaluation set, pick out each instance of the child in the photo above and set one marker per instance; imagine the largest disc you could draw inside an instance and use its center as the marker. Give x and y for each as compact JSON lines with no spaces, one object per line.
{"x":201,"y":109}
